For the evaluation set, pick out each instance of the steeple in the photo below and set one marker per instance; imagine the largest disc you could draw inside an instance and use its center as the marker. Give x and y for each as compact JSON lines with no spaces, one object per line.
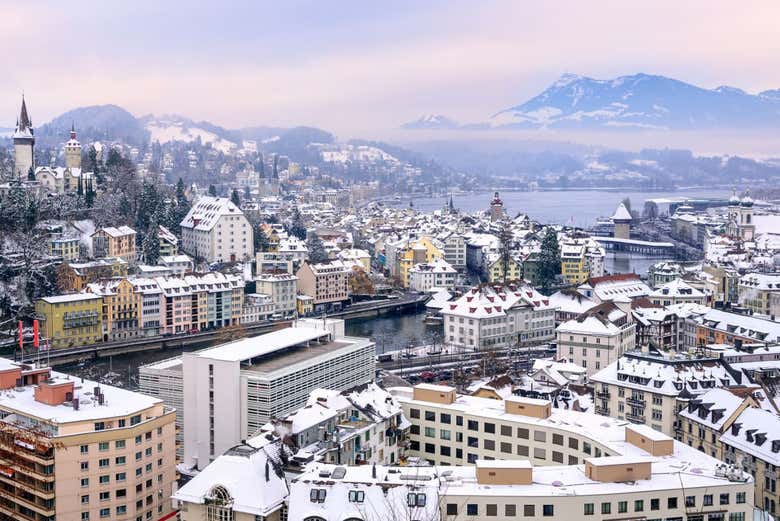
{"x":24,"y":119}
{"x":72,"y":130}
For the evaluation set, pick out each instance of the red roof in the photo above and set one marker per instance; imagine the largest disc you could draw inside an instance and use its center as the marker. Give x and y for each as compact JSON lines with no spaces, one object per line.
{"x":613,"y":278}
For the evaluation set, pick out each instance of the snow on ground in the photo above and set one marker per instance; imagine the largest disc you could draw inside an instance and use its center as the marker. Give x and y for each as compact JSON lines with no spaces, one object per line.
{"x":165,"y":132}
{"x":363,"y":153}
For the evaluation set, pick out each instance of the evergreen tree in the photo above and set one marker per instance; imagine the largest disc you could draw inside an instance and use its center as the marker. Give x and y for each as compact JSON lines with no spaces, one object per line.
{"x":31,"y":174}
{"x":151,"y":245}
{"x":148,"y":205}
{"x":235,"y":199}
{"x":276,"y":167}
{"x":260,"y":238}
{"x":89,"y":196}
{"x":297,"y":228}
{"x":80,"y":186}
{"x":212,"y":191}
{"x":549,"y":259}
{"x":31,"y":214}
{"x":505,"y":249}
{"x":316,"y":249}
{"x":247,"y":193}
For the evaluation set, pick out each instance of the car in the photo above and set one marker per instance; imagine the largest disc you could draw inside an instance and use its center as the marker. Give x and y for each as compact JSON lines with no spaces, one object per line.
{"x":408,"y":355}
{"x":427,"y":376}
{"x":194,"y":330}
{"x":413,"y":379}
{"x":445,"y":375}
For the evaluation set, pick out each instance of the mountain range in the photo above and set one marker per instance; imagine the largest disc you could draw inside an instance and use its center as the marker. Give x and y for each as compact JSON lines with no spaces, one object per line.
{"x":636,"y":102}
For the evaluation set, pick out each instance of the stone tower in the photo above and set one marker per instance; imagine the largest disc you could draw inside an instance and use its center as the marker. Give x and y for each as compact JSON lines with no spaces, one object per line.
{"x":73,"y":150}
{"x":747,"y":229}
{"x":496,"y":208}
{"x":622,"y":221}
{"x":24,"y":142}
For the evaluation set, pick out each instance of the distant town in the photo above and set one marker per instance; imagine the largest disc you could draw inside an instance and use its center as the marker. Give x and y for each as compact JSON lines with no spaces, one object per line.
{"x":553,"y":383}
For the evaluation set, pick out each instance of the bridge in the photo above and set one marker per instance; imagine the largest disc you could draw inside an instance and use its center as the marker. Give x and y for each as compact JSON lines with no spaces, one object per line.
{"x":635,"y":246}
{"x":205,"y":339}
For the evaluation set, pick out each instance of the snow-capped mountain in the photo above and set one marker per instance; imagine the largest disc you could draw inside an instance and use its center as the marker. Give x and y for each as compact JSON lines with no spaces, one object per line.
{"x":431,"y":121}
{"x":641,"y":101}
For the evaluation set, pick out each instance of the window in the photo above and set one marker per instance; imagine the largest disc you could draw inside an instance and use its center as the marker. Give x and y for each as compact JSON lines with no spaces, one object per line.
{"x":472,"y":509}
{"x":473,"y":425}
{"x":506,"y":430}
{"x":522,"y":433}
{"x":506,"y":447}
{"x":103,"y":479}
{"x":574,"y":443}
{"x":690,"y":501}
{"x":557,"y":439}
{"x":540,"y":453}
{"x":103,"y":463}
{"x":99,"y":426}
{"x":103,"y":445}
{"x":737,"y":516}
{"x":121,"y":476}
{"x":414,"y":413}
{"x":529,"y":510}
{"x":740,"y":497}
{"x":84,"y":482}
{"x":639,"y":505}
{"x":606,"y":508}
{"x":588,"y":510}
{"x":430,"y":432}
{"x":85,"y":516}
{"x":430,"y":448}
{"x":85,"y":499}
{"x":121,"y":510}
{"x":452,"y":509}
{"x":85,"y":465}
{"x":356,"y":496}
{"x":490,"y":428}
{"x":548,"y":510}
{"x":522,"y":450}
{"x":445,"y":450}
{"x":84,"y":449}
{"x":724,"y":499}
{"x":105,"y":512}
{"x":445,"y":434}
{"x":655,"y":504}
{"x":671,"y":502}
{"x":317,"y":495}
{"x":415,"y":499}
{"x":445,"y":418}
{"x":430,"y":416}
{"x":622,"y":507}
{"x":510,"y":510}
{"x":557,"y":456}
{"x":489,"y":444}
{"x":120,"y":460}
{"x":540,"y":436}
{"x":135,"y":420}
{"x":105,"y":496}
{"x":491,"y":510}
{"x":120,"y":444}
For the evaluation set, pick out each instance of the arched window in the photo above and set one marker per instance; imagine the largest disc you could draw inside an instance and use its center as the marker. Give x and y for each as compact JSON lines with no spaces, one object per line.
{"x":313,"y":518}
{"x":219,"y":505}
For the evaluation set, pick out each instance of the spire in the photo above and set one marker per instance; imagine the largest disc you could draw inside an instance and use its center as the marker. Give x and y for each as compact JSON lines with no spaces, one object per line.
{"x":24,"y":119}
{"x":72,"y":130}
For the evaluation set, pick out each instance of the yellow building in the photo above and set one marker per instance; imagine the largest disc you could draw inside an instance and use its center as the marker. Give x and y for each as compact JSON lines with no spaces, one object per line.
{"x":496,"y":271}
{"x":574,"y":269}
{"x":71,"y":320}
{"x":65,"y":247}
{"x":304,"y":305}
{"x":120,"y":308}
{"x":75,"y":276}
{"x":418,"y":252}
{"x":115,"y":242}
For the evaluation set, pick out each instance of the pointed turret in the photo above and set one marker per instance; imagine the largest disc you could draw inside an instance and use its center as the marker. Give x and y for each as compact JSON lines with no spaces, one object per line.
{"x":24,"y":141}
{"x":24,"y":119}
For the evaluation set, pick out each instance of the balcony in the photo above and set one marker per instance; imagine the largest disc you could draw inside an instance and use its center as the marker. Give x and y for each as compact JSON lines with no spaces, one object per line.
{"x":635,"y":418}
{"x":604,"y":395}
{"x":604,"y":411}
{"x":637,"y":402}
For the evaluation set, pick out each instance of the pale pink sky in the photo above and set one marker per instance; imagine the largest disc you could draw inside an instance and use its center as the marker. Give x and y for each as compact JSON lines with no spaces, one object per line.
{"x":359,"y":68}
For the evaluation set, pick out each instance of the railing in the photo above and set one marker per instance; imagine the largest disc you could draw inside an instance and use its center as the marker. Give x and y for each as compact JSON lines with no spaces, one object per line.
{"x":635,"y":418}
{"x":604,"y":411}
{"x":639,"y":402}
{"x":602,"y":394}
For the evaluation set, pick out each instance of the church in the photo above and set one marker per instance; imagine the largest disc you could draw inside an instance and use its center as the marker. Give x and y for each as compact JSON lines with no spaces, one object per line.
{"x":59,"y":180}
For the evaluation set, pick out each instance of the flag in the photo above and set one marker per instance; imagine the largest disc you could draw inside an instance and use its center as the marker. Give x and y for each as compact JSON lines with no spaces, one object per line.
{"x":21,"y":336}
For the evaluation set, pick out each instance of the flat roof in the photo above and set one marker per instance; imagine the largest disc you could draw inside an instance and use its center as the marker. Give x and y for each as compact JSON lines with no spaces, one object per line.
{"x":504,"y":464}
{"x":306,"y":355}
{"x":648,"y":432}
{"x":73,"y":297}
{"x":606,"y":461}
{"x":246,"y":348}
{"x":434,"y":387}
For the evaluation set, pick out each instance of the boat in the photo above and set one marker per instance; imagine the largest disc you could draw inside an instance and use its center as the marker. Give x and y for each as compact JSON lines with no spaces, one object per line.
{"x":432,"y":319}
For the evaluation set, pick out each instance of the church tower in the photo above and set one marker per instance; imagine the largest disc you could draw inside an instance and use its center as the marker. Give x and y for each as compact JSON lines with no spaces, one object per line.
{"x":24,"y":142}
{"x":73,"y":150}
{"x":496,"y":208}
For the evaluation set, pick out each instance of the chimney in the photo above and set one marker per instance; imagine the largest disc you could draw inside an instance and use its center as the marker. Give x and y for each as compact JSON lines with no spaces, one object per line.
{"x":75,"y":403}
{"x":53,"y":393}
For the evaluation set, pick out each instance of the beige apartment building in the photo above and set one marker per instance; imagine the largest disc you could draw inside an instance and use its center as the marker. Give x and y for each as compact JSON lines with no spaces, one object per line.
{"x":115,"y":242}
{"x":327,"y":283}
{"x":650,"y":389}
{"x":72,"y":449}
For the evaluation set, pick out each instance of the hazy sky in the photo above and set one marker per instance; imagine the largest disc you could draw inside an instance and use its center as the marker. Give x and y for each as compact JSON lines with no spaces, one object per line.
{"x":359,"y":67}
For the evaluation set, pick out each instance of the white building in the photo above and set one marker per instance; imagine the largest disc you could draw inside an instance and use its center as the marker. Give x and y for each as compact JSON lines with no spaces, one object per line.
{"x":597,"y":337}
{"x":232,"y":390}
{"x":677,"y":292}
{"x":216,"y":230}
{"x":609,"y":287}
{"x":436,"y":274}
{"x":179,"y":264}
{"x":499,"y":317}
{"x":282,"y":288}
{"x":257,"y":307}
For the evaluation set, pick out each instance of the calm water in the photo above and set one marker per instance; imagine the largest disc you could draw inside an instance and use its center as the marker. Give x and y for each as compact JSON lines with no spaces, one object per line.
{"x":572,"y":207}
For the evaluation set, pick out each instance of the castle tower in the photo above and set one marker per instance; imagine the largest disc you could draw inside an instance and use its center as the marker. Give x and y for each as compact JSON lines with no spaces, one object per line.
{"x":73,"y":150}
{"x":24,"y":142}
{"x":496,"y":208}
{"x":622,"y":221}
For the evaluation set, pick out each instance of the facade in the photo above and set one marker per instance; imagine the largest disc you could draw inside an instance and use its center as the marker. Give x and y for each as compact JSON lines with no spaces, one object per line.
{"x":257,"y":308}
{"x":496,"y":208}
{"x":678,"y":292}
{"x":281,"y":287}
{"x":733,"y":428}
{"x":70,"y":320}
{"x":651,"y":389}
{"x":597,"y":337}
{"x":115,"y":242}
{"x":455,"y":250}
{"x":420,"y":251}
{"x":755,"y":292}
{"x":232,"y":390}
{"x":498,"y":317}
{"x":120,"y":308}
{"x":438,"y":274}
{"x":740,"y":218}
{"x":622,"y":222}
{"x":163,"y":380}
{"x":68,"y":248}
{"x":721,"y":327}
{"x":495,"y":270}
{"x":327,"y":283}
{"x":216,"y":230}
{"x":581,"y":259}
{"x":70,"y":178}
{"x":73,"y":449}
{"x":74,"y":276}
{"x":24,"y":143}
{"x":610,"y":287}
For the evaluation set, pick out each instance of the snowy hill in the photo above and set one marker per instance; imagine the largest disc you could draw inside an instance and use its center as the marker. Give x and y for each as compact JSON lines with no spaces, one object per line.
{"x":641,"y":101}
{"x":93,"y":123}
{"x":431,"y":121}
{"x":165,"y":129}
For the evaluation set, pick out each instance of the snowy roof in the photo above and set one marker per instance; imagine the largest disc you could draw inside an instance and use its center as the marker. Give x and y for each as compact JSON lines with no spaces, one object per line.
{"x":741,"y":325}
{"x":713,"y":408}
{"x":117,"y":402}
{"x":112,"y":231}
{"x":757,"y":430}
{"x":622,"y":213}
{"x":75,"y":297}
{"x":249,"y":475}
{"x":488,"y":302}
{"x":206,"y":211}
{"x":246,"y":348}
{"x":571,"y":302}
{"x":677,"y":288}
